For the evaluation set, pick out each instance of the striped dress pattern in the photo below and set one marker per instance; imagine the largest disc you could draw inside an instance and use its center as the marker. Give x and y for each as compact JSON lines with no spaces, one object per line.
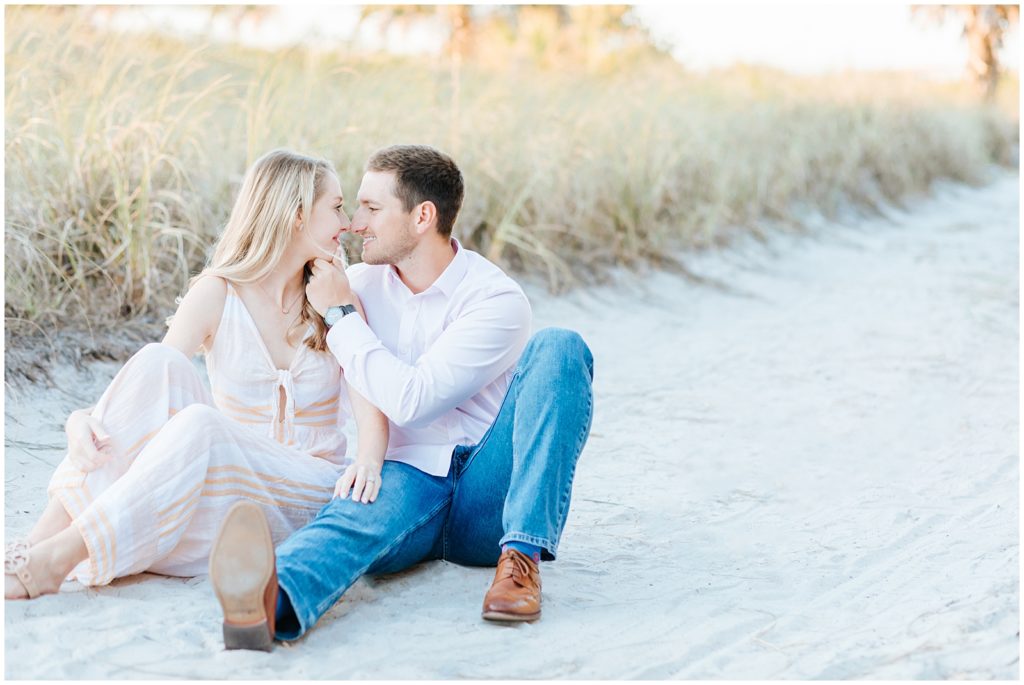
{"x":182,"y":455}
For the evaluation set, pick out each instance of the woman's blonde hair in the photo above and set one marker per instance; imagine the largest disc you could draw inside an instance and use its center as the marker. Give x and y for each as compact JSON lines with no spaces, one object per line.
{"x":279,"y":187}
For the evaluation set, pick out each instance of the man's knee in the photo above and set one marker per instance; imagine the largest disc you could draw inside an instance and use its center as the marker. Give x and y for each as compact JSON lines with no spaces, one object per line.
{"x":370,"y":519}
{"x":560,"y":347}
{"x":339,"y":522}
{"x":344,"y":513}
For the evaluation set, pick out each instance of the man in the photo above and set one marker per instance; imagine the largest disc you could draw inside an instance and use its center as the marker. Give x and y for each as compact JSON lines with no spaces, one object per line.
{"x":486,"y":423}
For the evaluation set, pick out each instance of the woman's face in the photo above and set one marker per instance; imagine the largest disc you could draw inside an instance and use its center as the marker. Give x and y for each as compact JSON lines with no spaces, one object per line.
{"x":326,"y":222}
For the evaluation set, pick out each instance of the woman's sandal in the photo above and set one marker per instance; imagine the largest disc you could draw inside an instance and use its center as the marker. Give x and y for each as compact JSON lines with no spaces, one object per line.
{"x":16,"y":564}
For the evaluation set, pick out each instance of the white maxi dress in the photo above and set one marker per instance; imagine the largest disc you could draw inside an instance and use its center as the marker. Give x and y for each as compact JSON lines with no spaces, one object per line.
{"x":183,"y":456}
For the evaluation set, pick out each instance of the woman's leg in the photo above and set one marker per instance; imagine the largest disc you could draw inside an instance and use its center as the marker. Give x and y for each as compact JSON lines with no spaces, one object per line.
{"x":49,"y":563}
{"x":53,"y":520}
{"x":152,"y":386}
{"x":162,"y":515}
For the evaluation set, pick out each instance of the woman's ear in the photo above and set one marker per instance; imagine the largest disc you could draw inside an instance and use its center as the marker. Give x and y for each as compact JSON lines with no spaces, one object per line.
{"x":298,"y":220}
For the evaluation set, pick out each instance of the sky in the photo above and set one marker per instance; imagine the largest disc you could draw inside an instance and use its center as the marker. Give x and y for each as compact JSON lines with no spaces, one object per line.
{"x":813,"y":38}
{"x":802,"y":38}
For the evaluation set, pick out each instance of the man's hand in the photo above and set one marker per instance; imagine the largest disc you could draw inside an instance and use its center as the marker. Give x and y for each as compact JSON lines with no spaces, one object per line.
{"x":88,"y":442}
{"x":328,"y":285}
{"x":362,"y":479}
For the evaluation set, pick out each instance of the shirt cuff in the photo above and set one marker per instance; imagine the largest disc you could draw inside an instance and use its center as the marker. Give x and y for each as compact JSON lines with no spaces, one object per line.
{"x":349,"y":335}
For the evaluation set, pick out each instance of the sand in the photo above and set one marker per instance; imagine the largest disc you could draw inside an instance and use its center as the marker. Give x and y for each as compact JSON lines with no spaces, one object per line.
{"x":804,"y":467}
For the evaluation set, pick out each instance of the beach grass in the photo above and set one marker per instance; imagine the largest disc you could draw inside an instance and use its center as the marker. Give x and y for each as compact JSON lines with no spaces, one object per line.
{"x":123,"y":152}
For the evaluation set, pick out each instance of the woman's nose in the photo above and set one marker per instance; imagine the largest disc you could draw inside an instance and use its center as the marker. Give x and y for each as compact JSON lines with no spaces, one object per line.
{"x":357,"y":224}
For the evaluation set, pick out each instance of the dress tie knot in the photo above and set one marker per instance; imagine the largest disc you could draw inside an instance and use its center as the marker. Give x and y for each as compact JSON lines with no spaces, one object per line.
{"x":282,"y":428}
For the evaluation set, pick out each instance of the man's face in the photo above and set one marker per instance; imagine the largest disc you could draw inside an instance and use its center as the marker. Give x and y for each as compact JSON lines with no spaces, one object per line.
{"x":385,"y":227}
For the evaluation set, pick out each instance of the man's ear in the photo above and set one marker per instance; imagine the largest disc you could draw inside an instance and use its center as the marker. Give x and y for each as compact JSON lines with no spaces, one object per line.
{"x":424,"y":217}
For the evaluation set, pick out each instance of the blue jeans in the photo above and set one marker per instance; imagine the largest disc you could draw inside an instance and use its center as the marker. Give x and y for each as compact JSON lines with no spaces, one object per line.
{"x":514,"y":484}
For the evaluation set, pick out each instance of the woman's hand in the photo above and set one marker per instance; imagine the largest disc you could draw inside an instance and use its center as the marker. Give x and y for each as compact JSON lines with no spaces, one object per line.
{"x":363,"y":479}
{"x":363,"y":475}
{"x":89,"y":444}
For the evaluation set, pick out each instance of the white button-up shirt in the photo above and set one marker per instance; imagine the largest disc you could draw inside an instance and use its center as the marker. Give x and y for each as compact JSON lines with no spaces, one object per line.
{"x":436,"y":363}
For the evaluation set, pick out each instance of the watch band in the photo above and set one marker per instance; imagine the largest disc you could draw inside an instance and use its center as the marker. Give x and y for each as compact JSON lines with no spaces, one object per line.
{"x":336,"y":313}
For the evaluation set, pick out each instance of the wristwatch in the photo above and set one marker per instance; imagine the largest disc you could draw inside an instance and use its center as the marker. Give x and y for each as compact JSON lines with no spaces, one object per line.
{"x":334,"y":314}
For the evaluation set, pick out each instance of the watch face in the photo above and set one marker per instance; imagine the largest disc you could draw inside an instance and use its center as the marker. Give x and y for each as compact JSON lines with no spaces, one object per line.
{"x":336,"y":312}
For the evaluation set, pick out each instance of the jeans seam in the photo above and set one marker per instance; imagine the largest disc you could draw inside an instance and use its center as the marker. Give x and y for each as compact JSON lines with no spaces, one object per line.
{"x":562,"y":514}
{"x":324,"y":606}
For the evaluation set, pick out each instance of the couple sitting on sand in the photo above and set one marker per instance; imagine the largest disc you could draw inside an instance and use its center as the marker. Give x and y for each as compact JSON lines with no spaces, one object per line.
{"x":469,"y":429}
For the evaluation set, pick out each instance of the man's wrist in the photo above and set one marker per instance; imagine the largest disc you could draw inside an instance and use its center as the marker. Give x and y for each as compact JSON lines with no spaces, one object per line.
{"x":347,"y":297}
{"x":337,"y":312}
{"x":336,"y":300}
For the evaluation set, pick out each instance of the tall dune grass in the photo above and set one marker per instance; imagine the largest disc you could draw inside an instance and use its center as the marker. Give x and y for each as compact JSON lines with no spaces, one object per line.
{"x":123,"y":152}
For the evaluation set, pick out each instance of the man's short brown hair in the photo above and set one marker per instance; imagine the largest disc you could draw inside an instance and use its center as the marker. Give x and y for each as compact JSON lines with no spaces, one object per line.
{"x":423,"y":173}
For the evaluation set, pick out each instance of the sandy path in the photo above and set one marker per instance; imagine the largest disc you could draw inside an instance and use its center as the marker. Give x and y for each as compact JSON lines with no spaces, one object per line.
{"x":810,"y":474}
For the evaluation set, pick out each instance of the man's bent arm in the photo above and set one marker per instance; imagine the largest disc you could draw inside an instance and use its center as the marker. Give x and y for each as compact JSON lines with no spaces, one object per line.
{"x":474,"y":350}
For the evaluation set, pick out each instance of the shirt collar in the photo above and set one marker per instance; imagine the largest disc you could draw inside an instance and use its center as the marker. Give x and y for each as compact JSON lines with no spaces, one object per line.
{"x":449,"y":279}
{"x":453,"y":273}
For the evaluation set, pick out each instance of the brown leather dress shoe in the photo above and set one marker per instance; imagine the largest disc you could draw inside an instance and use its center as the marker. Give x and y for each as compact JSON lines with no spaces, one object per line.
{"x":244,"y":577}
{"x":515,"y":592}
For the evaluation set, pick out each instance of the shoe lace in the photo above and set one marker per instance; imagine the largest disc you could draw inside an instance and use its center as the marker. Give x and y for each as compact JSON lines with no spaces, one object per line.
{"x":517,"y":567}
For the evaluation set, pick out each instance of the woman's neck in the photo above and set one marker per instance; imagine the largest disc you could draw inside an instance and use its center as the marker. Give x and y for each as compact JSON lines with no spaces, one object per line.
{"x":284,"y":286}
{"x":281,"y":284}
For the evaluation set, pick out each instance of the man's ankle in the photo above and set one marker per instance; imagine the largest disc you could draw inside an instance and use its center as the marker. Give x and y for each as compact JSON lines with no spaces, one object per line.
{"x":532,"y":551}
{"x":285,"y":619}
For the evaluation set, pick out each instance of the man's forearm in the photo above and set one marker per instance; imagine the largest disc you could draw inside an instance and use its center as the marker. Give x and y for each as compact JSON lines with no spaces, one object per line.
{"x":441,"y":379}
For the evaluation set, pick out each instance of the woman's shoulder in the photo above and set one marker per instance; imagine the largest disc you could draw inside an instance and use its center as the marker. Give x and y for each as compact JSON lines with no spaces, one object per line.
{"x":210,"y":285}
{"x":210,"y":290}
{"x":197,"y":318}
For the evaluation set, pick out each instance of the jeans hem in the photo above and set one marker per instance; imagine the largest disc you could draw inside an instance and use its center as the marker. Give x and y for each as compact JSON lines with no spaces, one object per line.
{"x":282,"y":582}
{"x":544,"y":543}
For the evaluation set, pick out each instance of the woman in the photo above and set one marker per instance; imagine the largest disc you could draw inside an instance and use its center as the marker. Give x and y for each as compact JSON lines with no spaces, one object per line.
{"x":155,"y":465}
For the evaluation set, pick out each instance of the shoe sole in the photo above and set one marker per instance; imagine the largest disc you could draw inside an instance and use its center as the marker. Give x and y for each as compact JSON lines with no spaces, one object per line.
{"x":241,"y":567}
{"x":510,"y":618}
